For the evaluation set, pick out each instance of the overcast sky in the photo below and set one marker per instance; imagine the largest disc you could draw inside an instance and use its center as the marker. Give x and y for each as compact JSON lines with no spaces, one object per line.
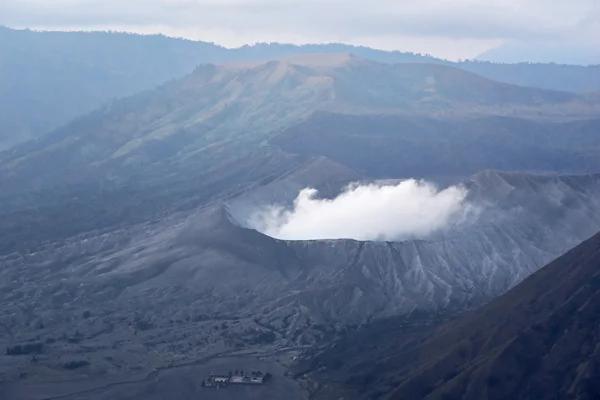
{"x":445,"y":28}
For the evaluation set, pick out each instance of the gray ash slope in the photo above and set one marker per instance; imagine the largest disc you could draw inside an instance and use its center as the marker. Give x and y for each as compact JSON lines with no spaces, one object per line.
{"x":538,"y":341}
{"x":206,"y":269}
{"x":524,"y":221}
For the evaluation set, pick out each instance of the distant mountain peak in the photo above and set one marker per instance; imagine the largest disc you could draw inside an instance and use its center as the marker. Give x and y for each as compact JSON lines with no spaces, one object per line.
{"x":543,"y":52}
{"x":311,"y":60}
{"x":334,"y":60}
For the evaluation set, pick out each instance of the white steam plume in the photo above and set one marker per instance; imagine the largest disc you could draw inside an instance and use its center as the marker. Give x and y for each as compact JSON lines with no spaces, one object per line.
{"x":410,"y":209}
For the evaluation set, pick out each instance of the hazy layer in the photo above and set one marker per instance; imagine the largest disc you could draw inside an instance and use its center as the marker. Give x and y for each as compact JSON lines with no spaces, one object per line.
{"x":410,"y":209}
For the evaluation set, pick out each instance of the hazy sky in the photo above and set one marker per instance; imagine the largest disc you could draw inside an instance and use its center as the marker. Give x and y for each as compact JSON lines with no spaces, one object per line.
{"x":445,"y":28}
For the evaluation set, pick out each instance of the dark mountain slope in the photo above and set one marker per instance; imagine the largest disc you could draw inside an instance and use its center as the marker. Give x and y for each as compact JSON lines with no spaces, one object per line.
{"x":538,"y":341}
{"x":53,"y":214}
{"x":420,"y":146}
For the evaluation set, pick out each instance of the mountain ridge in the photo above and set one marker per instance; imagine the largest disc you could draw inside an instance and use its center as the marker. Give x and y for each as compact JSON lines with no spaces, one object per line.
{"x":226,"y":109}
{"x":56,"y":90}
